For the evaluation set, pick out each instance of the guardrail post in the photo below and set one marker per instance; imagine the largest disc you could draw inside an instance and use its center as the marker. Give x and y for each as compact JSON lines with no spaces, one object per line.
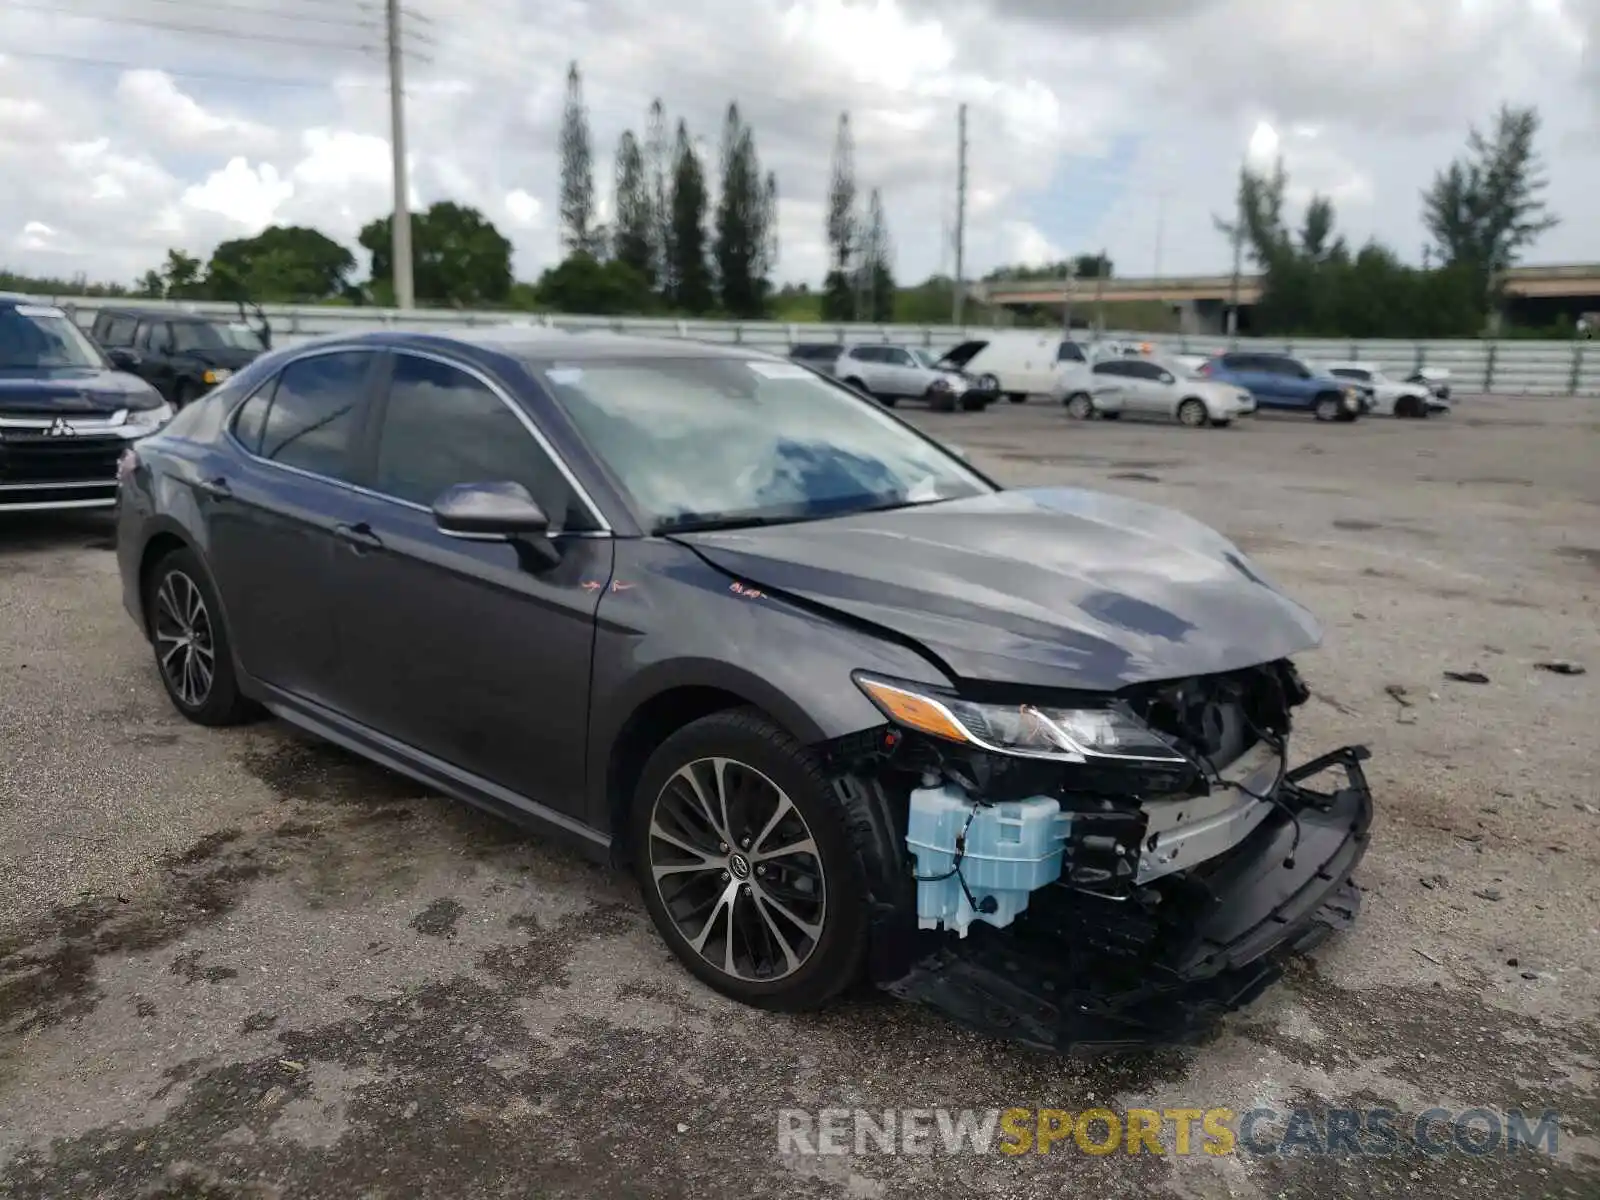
{"x":1488,"y":367}
{"x":738,"y":332}
{"x":1420,"y":357}
{"x":1577,"y":367}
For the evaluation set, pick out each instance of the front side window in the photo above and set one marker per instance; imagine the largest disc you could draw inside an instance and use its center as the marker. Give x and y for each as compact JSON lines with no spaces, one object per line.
{"x":700,"y":442}
{"x":1070,"y":352}
{"x":443,"y":427}
{"x":37,"y":337}
{"x":312,"y":420}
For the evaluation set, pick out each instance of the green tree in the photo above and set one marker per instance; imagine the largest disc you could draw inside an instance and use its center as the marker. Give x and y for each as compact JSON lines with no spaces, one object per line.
{"x":658,"y":168}
{"x":632,"y":232}
{"x":151,"y":286}
{"x":577,"y":170}
{"x":1487,"y":206}
{"x":740,"y":247}
{"x":875,"y":268}
{"x":691,"y":275}
{"x":458,"y":256}
{"x":1089,"y":266}
{"x":581,"y":283}
{"x":838,"y":294}
{"x":181,"y":277}
{"x":282,"y":263}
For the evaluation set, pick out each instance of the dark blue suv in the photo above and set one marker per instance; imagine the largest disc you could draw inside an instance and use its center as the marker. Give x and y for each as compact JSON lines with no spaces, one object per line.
{"x":65,"y":415}
{"x":1284,"y":382}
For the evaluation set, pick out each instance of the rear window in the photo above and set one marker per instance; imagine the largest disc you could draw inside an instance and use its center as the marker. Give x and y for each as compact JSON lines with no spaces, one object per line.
{"x":815,"y":353}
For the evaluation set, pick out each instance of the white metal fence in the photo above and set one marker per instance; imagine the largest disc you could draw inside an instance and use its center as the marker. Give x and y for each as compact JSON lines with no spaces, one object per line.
{"x":1507,"y":367}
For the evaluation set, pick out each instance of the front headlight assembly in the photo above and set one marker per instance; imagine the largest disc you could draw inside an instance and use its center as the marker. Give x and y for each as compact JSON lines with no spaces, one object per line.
{"x":1101,"y":733}
{"x":142,"y":422}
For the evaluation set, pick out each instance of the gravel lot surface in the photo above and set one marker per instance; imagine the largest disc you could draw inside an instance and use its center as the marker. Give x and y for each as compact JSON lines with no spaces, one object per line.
{"x":242,"y":964}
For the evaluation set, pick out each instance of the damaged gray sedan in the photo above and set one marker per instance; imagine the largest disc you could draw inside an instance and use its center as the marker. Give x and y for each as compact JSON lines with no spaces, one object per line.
{"x":848,"y":707}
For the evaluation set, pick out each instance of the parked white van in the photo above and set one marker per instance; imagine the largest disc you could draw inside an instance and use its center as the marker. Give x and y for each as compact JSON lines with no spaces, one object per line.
{"x":1026,"y":362}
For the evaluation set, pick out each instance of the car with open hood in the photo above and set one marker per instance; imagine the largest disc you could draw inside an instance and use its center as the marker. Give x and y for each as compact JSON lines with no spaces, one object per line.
{"x":182,"y":354}
{"x":1391,"y":397}
{"x":845,"y":705}
{"x":890,"y":374}
{"x":65,"y":415}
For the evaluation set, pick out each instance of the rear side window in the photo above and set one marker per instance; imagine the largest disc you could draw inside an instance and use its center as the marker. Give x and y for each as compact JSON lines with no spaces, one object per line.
{"x":1112,"y":366}
{"x":815,"y":353}
{"x":312,"y":420}
{"x":251,"y":418}
{"x":118,"y":331}
{"x":1070,"y":352}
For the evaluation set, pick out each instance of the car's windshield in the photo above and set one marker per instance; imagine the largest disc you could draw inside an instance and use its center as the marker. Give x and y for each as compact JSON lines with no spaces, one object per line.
{"x":1180,"y":369}
{"x":40,"y":338}
{"x":206,"y":335}
{"x":717,"y":441}
{"x":924,"y":358}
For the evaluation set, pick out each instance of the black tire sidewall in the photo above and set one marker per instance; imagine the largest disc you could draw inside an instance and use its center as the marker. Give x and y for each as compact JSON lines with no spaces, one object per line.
{"x":223,"y":704}
{"x":752,"y":739}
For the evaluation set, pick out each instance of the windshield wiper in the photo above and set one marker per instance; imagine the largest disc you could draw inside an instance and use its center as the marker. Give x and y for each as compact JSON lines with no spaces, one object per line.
{"x":701,"y":522}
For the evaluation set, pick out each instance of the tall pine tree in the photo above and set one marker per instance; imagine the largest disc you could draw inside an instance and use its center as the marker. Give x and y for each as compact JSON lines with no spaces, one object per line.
{"x":658,"y":167}
{"x":631,"y":237}
{"x":838,"y":297}
{"x":875,"y":269}
{"x":577,"y":171}
{"x":741,"y":234}
{"x":691,"y":276}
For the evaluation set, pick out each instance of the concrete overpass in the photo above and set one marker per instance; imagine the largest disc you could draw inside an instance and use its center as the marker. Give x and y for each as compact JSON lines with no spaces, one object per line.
{"x":1566,"y":281}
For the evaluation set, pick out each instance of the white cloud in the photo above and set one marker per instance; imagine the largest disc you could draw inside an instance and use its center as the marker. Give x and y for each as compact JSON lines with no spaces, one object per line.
{"x":1080,"y":118}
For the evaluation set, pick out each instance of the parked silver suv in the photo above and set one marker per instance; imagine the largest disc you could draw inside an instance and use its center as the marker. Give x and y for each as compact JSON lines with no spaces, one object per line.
{"x":890,"y":374}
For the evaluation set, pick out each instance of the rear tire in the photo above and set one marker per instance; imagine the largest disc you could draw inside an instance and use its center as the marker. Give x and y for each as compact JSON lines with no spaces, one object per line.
{"x":801,"y":917}
{"x":973,"y":404}
{"x":1079,"y":406}
{"x":194,"y":654}
{"x":1192,"y":413}
{"x":1410,"y":408}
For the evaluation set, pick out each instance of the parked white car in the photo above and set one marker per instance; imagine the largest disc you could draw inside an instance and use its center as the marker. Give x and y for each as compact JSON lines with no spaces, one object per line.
{"x":1391,"y":397}
{"x":1157,"y":387}
{"x":890,"y":374}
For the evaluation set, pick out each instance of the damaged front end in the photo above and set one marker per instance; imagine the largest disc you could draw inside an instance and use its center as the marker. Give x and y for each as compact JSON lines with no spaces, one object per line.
{"x":1083,"y":873}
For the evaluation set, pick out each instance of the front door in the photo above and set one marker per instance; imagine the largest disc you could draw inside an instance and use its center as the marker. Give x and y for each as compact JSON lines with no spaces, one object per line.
{"x":470,"y":651}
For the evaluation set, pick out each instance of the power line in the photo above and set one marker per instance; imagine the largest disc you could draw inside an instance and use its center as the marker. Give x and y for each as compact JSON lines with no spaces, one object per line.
{"x":370,"y":24}
{"x":203,"y":30}
{"x":179,"y":73}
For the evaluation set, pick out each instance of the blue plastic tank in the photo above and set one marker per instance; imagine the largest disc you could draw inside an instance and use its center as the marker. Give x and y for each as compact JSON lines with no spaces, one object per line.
{"x":1012,"y":848}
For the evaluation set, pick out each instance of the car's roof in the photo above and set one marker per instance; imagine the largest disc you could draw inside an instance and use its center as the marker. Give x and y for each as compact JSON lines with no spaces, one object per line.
{"x":544,"y":342}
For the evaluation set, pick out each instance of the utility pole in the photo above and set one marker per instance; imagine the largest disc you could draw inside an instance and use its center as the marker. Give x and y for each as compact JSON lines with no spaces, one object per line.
{"x":400,"y":226}
{"x":961,"y":214}
{"x":1100,"y":293}
{"x":1238,"y":256}
{"x":1161,"y":224}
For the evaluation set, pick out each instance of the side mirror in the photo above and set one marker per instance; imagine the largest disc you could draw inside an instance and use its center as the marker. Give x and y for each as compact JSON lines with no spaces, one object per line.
{"x":493,"y":512}
{"x":122,"y":358}
{"x":499,"y":512}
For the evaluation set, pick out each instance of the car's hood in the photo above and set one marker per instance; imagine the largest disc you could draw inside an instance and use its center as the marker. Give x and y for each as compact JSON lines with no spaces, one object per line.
{"x":77,"y":390}
{"x":1049,"y":587}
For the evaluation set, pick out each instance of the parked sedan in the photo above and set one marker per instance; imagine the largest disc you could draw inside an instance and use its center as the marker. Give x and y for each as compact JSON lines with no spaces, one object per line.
{"x":1153,"y":387}
{"x":834,"y":694}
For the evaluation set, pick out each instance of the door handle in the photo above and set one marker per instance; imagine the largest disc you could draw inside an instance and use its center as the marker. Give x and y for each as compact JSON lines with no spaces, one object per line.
{"x":216,"y":487}
{"x":359,"y":535}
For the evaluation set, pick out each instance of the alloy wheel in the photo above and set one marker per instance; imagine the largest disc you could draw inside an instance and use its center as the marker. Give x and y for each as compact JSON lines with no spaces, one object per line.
{"x":1080,"y":407}
{"x":185,"y":642}
{"x":1192,"y":413}
{"x":737,"y":870}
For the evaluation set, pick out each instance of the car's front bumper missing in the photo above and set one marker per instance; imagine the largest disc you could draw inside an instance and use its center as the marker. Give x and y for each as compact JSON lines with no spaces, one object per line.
{"x":1083,"y":973}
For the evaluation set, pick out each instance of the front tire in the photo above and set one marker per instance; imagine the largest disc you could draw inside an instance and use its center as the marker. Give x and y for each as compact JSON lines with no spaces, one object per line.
{"x":1410,"y":407}
{"x":194,"y":654}
{"x":1327,"y":408}
{"x":745,"y":863}
{"x":1192,"y":413}
{"x":1079,"y":406}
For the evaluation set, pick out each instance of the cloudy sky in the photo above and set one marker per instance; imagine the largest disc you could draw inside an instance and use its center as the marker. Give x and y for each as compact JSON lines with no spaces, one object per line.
{"x":126,"y":128}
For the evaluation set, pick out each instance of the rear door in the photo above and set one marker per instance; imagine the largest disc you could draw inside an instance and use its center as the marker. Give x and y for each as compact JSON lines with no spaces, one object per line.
{"x":467,"y":650}
{"x":902,"y":373}
{"x":1147,"y":393}
{"x":271,"y":513}
{"x":153,"y":343}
